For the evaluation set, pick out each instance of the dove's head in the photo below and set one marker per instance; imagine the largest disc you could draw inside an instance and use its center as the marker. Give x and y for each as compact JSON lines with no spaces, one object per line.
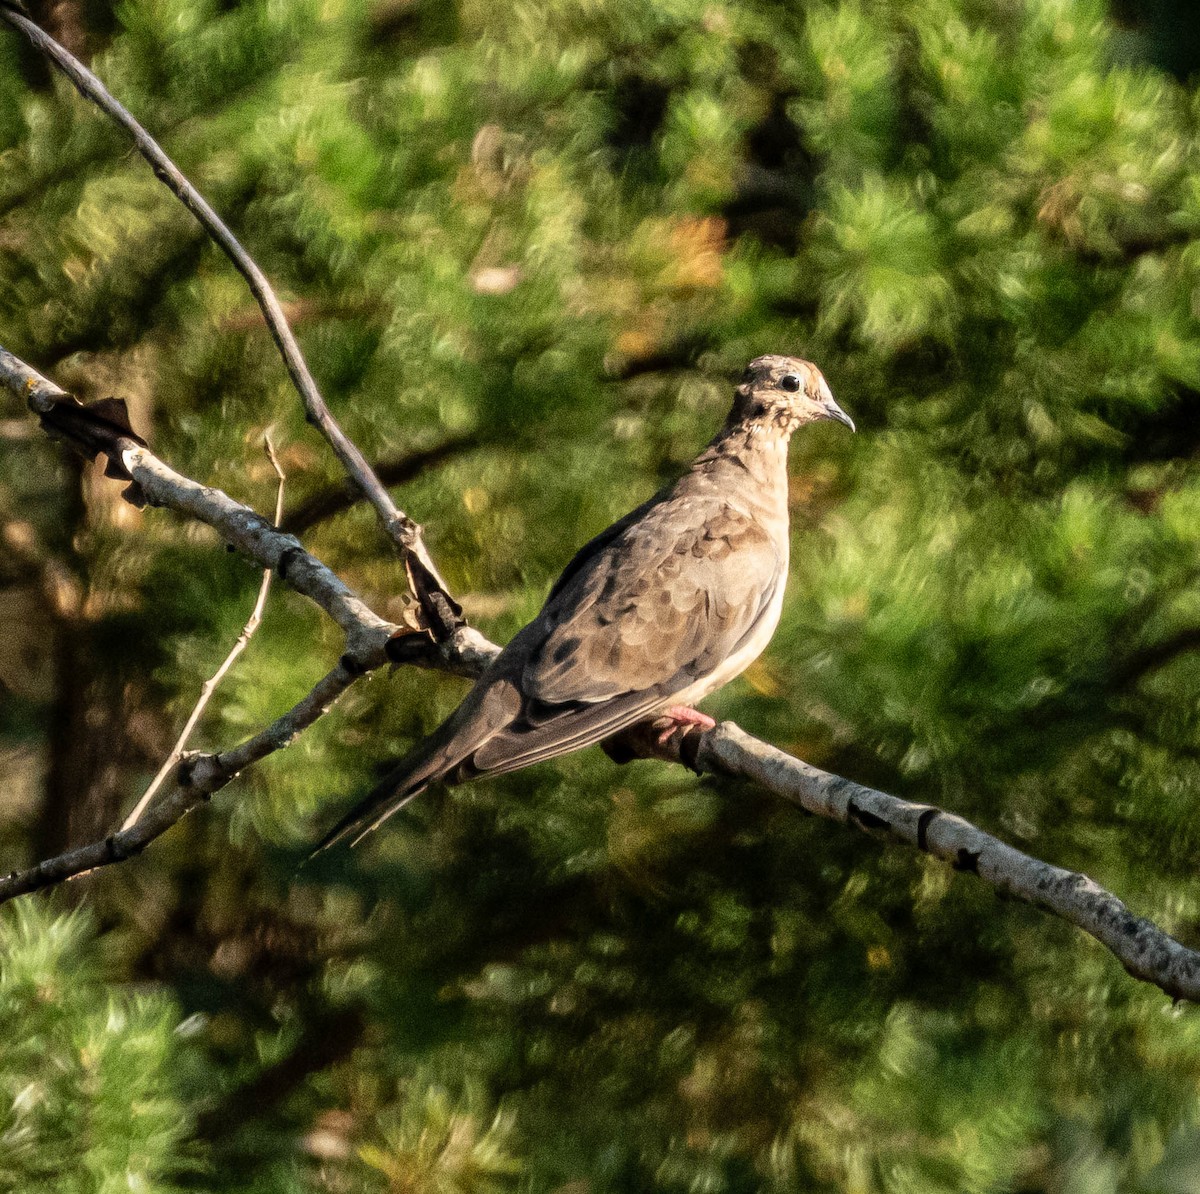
{"x":784,"y":393}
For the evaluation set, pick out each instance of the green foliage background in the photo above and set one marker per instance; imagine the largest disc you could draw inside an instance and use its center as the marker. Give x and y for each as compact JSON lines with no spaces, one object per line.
{"x":540,"y":240}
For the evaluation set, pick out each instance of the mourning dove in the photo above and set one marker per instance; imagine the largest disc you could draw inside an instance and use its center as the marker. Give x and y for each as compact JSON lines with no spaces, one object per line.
{"x":653,"y":614}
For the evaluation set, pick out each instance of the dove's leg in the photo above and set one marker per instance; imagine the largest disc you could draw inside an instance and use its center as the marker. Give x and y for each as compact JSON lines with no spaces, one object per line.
{"x":684,"y":715}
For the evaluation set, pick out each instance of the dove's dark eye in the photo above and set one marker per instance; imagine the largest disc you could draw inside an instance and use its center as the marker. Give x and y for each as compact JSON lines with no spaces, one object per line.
{"x":789,"y":382}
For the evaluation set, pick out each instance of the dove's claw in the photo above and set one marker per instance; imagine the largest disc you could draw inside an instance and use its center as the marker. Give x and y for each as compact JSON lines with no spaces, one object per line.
{"x":683,"y":715}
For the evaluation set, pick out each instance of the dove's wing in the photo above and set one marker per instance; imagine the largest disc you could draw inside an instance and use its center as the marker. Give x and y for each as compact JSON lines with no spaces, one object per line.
{"x":659,"y":606}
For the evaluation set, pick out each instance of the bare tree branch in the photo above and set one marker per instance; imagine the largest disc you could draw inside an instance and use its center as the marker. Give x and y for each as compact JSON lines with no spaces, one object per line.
{"x":441,"y":610}
{"x":238,"y":525}
{"x":1145,"y":950}
{"x":370,"y":639}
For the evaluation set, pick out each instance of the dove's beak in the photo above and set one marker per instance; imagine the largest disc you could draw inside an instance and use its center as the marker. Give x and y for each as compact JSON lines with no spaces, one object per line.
{"x":831,"y":410}
{"x":828,"y":407}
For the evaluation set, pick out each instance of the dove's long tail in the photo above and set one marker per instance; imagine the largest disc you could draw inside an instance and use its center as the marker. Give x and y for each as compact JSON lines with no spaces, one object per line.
{"x":411,"y":776}
{"x":431,"y":760}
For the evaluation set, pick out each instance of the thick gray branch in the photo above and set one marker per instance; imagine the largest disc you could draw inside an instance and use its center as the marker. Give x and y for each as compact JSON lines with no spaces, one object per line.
{"x":243,"y":528}
{"x":1141,"y":946}
{"x":256,"y":538}
{"x":1144,"y":950}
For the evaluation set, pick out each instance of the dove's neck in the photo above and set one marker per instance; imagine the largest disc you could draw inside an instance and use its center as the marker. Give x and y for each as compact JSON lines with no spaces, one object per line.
{"x":748,"y":460}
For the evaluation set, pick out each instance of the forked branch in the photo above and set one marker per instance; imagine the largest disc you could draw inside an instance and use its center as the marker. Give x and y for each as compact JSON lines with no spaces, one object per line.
{"x":195,"y":778}
{"x":442,"y":612}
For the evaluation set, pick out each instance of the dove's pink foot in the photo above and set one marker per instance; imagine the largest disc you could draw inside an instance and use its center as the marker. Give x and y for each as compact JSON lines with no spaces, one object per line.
{"x":684,"y":715}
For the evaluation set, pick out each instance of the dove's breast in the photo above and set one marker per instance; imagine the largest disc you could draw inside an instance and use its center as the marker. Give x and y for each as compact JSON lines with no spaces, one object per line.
{"x":751,"y":647}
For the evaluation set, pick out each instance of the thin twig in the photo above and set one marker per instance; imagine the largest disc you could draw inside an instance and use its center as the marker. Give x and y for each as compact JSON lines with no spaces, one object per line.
{"x":210,"y":685}
{"x":197,"y":777}
{"x":441,"y":610}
